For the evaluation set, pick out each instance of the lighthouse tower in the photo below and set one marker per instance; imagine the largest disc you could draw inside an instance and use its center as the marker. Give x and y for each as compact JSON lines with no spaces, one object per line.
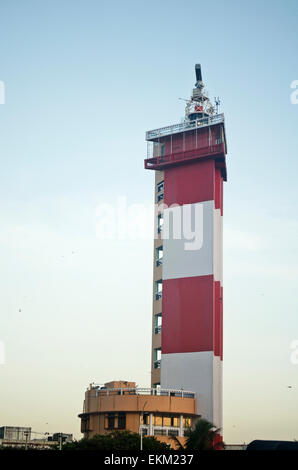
{"x":187,"y":328}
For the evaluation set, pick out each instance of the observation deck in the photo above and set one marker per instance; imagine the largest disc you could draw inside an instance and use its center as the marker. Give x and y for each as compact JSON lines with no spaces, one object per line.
{"x":183,"y":143}
{"x":184,"y":126}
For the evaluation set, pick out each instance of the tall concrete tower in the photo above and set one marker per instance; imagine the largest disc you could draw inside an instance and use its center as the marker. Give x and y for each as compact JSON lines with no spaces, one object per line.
{"x":189,"y":160}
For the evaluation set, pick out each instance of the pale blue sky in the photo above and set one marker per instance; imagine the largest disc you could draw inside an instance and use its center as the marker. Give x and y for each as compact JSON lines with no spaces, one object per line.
{"x":84,"y":81}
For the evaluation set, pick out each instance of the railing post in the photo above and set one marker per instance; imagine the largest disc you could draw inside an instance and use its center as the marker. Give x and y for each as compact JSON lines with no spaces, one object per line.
{"x":181,"y":426}
{"x":150,"y":424}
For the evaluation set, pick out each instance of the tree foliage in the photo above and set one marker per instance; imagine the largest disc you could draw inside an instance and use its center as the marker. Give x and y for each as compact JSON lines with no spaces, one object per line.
{"x":117,"y":441}
{"x":204,"y":436}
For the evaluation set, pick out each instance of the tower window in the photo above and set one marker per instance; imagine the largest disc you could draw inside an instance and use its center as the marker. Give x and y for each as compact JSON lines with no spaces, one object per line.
{"x":156,"y":358}
{"x":159,"y":222}
{"x":160,"y":191}
{"x":158,"y":289}
{"x":158,"y":255}
{"x":157,"y":323}
{"x":160,"y":187}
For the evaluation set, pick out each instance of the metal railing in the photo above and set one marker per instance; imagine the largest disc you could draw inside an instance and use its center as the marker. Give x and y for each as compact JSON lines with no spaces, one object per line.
{"x":161,"y":430}
{"x":165,"y":431}
{"x":102,"y":390}
{"x":212,"y":149}
{"x":184,"y":126}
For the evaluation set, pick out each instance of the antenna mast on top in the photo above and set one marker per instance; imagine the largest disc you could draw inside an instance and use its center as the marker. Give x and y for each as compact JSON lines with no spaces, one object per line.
{"x":199,"y":105}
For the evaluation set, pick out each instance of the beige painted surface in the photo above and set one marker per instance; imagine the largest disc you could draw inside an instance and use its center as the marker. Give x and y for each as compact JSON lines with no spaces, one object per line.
{"x":155,"y":376}
{"x":156,"y":340}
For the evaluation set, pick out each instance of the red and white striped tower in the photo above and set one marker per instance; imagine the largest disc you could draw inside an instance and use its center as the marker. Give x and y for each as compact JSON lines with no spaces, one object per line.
{"x":190,"y":167}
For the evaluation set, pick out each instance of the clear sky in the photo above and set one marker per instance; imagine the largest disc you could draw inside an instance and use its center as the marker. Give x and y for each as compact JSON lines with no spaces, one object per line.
{"x":84,"y":80}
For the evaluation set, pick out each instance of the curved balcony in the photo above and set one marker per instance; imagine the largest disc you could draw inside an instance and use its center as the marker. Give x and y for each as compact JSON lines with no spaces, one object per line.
{"x":101,"y":390}
{"x":101,"y":399}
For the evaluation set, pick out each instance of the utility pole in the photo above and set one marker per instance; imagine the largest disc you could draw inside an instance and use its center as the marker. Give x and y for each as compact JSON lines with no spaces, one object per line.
{"x":26,"y":439}
{"x":60,"y":441}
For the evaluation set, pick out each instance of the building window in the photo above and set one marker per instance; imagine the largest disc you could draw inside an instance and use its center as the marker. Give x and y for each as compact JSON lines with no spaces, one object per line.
{"x":121,"y":421}
{"x":144,"y":418}
{"x":158,"y":255}
{"x":187,"y":422}
{"x":85,"y":424}
{"x":158,"y":289}
{"x":175,"y":422}
{"x":115,"y":421}
{"x":157,"y":420}
{"x":110,"y":421}
{"x":166,"y":421}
